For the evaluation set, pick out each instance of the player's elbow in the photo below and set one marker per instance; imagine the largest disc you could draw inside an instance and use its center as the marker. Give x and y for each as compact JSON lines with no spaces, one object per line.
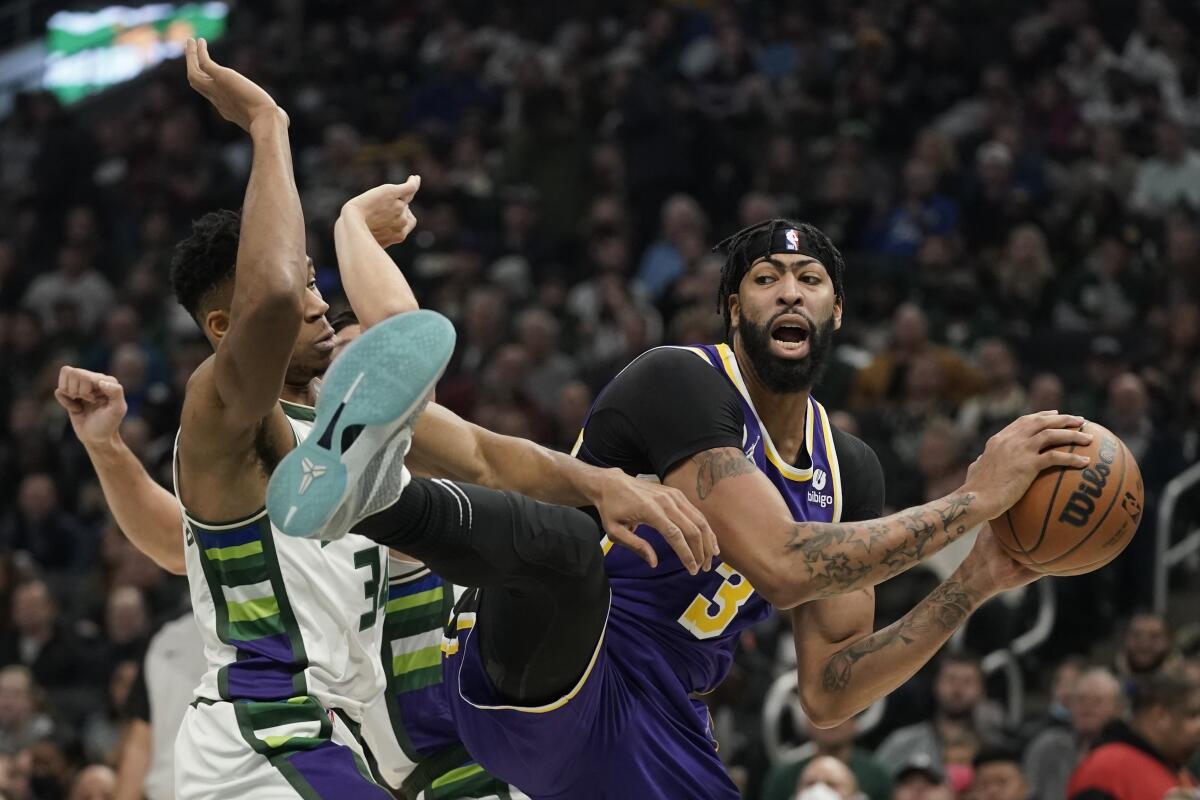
{"x":822,"y":709}
{"x":782,"y":589}
{"x":388,"y":308}
{"x":278,"y":302}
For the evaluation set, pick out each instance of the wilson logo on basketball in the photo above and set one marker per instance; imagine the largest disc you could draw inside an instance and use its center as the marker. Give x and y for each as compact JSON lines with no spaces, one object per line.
{"x":1082,"y":503}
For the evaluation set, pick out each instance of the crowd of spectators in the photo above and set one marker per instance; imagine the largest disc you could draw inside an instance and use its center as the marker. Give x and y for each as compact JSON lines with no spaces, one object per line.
{"x":1015,"y":186}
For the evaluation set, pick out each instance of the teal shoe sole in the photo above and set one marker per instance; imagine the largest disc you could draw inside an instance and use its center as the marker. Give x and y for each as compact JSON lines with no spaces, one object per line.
{"x":374,"y":390}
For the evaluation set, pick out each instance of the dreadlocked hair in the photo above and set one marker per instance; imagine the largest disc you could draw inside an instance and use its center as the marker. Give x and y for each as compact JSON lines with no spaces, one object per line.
{"x":750,"y":244}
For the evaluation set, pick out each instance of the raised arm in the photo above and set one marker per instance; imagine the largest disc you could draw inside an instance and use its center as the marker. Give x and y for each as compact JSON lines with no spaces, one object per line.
{"x":446,"y":446}
{"x":791,"y":562}
{"x":369,"y":223}
{"x":266,"y":310}
{"x":844,"y":667}
{"x":147,"y":513}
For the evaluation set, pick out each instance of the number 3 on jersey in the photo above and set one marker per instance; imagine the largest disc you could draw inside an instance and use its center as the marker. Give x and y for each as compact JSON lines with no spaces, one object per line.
{"x":707,"y":618}
{"x":374,"y":587}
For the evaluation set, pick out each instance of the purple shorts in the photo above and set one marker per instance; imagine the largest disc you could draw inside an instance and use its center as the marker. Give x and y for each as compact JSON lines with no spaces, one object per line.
{"x":616,"y":734}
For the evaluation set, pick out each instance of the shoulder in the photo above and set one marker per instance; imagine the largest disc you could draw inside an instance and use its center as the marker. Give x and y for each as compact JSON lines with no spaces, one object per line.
{"x":671,"y":377}
{"x":663,"y":361}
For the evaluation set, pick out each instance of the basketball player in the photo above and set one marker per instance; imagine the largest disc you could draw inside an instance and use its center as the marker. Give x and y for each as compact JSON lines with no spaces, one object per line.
{"x":291,"y":628}
{"x":580,"y":701}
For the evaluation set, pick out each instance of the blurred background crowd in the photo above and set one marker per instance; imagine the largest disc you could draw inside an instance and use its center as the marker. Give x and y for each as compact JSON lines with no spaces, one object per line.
{"x":1015,"y":186}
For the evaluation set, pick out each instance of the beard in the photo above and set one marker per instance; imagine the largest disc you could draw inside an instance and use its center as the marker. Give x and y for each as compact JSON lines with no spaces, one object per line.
{"x":786,"y":375}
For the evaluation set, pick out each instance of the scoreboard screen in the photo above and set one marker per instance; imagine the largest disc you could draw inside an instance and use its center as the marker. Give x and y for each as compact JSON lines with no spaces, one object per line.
{"x":89,"y":51}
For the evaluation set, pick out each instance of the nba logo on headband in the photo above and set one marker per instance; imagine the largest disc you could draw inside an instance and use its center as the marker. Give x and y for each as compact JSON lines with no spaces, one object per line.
{"x":792,"y":236}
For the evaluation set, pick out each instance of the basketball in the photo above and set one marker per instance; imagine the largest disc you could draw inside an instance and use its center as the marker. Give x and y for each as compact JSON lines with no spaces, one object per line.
{"x":1073,"y":521}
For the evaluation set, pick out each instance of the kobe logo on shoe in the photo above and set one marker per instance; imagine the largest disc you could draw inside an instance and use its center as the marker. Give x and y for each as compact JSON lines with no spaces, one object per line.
{"x":311,"y":472}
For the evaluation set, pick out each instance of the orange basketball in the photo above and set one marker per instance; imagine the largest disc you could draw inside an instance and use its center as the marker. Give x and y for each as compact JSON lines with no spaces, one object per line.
{"x":1073,"y":521}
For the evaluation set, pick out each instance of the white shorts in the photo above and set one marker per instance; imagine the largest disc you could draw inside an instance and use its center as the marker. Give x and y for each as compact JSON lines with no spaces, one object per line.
{"x":270,"y":751}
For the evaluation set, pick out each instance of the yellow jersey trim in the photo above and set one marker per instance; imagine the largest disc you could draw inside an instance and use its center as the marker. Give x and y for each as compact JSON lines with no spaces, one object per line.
{"x":562,"y":701}
{"x":831,"y":454}
{"x":787,"y":470}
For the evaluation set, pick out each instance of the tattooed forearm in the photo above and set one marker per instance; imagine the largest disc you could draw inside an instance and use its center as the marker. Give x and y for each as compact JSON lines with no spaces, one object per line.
{"x":841,"y":558}
{"x":716,"y":465}
{"x":930,"y":624}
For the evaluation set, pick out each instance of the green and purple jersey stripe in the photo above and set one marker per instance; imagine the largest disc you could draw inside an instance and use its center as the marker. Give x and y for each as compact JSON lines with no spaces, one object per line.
{"x":296,"y":738}
{"x":416,"y":613}
{"x":253,"y":615}
{"x":469,"y":780}
{"x":418,"y":609}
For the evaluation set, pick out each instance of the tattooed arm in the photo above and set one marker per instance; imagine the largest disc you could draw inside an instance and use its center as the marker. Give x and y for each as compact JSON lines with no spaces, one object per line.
{"x":843,"y":668}
{"x":791,"y":562}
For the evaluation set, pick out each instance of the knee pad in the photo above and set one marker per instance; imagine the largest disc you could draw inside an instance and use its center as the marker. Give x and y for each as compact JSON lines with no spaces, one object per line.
{"x":563,"y":540}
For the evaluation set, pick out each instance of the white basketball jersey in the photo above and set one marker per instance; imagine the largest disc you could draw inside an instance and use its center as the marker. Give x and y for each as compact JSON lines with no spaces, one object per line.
{"x":283,"y":617}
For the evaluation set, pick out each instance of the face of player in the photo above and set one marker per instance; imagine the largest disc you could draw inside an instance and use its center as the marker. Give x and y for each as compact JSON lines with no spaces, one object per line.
{"x":999,"y":780}
{"x":316,"y":342}
{"x":784,"y":313}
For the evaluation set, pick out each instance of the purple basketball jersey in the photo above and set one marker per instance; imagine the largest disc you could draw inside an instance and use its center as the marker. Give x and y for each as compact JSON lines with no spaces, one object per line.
{"x":694,"y":621}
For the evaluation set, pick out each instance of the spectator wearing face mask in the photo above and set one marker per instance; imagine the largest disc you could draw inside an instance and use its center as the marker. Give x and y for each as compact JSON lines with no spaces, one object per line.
{"x":826,"y":778}
{"x":837,"y":743}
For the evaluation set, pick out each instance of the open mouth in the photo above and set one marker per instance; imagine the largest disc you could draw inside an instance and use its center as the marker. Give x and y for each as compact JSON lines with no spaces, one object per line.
{"x":790,"y":332}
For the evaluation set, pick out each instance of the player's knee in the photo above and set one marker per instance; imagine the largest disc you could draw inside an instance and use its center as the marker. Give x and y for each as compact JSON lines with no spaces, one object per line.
{"x":564,"y":540}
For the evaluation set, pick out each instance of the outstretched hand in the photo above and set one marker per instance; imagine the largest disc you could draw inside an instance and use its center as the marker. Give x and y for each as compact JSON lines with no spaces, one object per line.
{"x":386,"y":210}
{"x":1015,"y":456}
{"x":625,"y":502}
{"x":94,"y":401}
{"x":236,"y":97}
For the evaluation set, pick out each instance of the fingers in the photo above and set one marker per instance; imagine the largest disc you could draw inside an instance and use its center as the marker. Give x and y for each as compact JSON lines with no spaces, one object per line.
{"x":1061,"y":458}
{"x":206,"y":62}
{"x":684,"y":507}
{"x":697,"y":541}
{"x":111,"y":389}
{"x":72,"y":405}
{"x":685,"y":543}
{"x":82,"y":384}
{"x":197,"y":78}
{"x":627,"y":538}
{"x":407,"y":190}
{"x":408,"y":222}
{"x":1052,"y":419}
{"x":1062,"y":437}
